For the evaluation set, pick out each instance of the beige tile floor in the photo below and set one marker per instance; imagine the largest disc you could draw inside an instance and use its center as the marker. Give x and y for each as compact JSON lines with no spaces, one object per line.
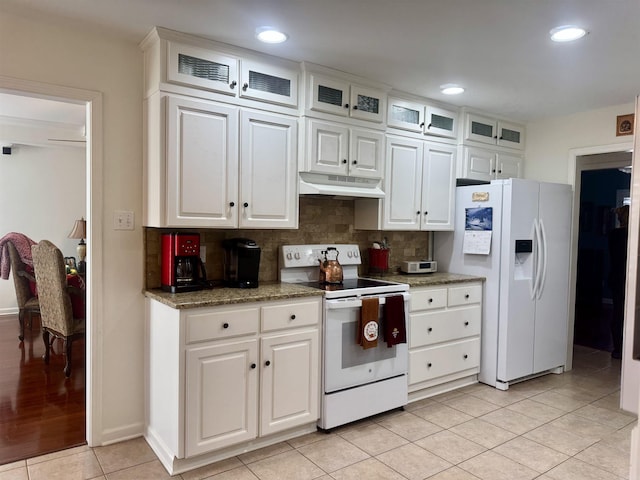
{"x":556,"y":427}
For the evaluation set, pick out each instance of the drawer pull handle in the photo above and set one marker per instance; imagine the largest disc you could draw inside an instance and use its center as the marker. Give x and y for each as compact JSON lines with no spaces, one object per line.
{"x":293,"y":317}
{"x":465,"y":356}
{"x":466,"y":324}
{"x":267,"y":363}
{"x":431,"y":300}
{"x":225,"y":325}
{"x":466,"y":296}
{"x":253,"y":365}
{"x":429,"y":329}
{"x":429,"y":365}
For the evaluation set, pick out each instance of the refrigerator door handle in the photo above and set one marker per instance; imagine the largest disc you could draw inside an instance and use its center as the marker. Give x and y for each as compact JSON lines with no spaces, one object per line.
{"x":536,"y":254}
{"x":538,"y":260}
{"x":543,"y":274}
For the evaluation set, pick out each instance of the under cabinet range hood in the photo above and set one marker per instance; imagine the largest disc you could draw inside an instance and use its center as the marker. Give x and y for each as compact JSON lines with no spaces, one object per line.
{"x":339,"y":185}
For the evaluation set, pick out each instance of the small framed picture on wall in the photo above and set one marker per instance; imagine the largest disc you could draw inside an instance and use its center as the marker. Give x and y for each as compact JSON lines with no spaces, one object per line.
{"x":624,"y":125}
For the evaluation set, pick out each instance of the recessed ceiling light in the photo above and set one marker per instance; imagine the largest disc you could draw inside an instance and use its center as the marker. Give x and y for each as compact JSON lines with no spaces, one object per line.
{"x":451,"y":89}
{"x":567,"y":33}
{"x":270,"y":35}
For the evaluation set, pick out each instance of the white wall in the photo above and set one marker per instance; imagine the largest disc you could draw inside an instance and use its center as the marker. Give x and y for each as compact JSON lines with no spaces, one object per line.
{"x":549,"y":140}
{"x":42,"y":193}
{"x":75,"y":56}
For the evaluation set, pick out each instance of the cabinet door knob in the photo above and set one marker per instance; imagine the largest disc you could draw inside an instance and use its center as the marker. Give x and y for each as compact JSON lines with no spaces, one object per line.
{"x":429,"y":365}
{"x":346,"y":105}
{"x":495,"y":136}
{"x":232,"y":204}
{"x":245,"y":204}
{"x":466,"y":296}
{"x":233,"y":84}
{"x":501,"y":138}
{"x":355,"y":162}
{"x":355,"y":107}
{"x":466,"y":324}
{"x":430,"y":300}
{"x":418,"y":212}
{"x":429,"y":126}
{"x":499,"y":171}
{"x":426,"y":213}
{"x":245,"y":86}
{"x":267,"y":363}
{"x":493,"y":171}
{"x":421,"y":124}
{"x":225,"y":325}
{"x":465,"y":356}
{"x":293,"y":317}
{"x":253,"y":365}
{"x":344,"y":160}
{"x":430,"y":329}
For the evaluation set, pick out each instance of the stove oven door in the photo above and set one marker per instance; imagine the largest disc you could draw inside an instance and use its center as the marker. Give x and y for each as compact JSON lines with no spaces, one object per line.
{"x":347,"y":364}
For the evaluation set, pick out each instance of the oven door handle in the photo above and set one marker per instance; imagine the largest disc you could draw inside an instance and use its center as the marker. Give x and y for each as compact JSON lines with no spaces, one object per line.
{"x":337,"y":304}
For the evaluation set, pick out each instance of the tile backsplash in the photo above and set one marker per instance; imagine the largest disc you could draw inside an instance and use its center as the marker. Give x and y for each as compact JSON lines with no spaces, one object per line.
{"x":322,"y":220}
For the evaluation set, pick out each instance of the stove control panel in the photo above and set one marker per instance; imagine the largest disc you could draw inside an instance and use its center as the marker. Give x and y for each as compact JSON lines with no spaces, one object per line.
{"x":295,"y":256}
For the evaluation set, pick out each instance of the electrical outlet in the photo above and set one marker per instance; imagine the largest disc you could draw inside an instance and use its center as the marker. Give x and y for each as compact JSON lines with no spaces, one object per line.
{"x":123,"y":220}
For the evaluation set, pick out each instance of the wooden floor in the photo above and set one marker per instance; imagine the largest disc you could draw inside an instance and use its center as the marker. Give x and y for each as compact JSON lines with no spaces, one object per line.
{"x":41,"y":411}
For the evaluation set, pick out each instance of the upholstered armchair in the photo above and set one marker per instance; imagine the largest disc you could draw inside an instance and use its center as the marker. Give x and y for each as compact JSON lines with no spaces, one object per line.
{"x":56,"y":310}
{"x":28,"y":303}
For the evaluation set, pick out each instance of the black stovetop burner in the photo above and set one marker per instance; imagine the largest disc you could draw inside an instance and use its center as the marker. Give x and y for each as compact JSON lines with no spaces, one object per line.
{"x":348,"y":284}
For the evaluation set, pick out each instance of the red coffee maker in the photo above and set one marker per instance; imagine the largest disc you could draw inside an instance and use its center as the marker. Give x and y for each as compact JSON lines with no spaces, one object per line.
{"x":182,"y":269}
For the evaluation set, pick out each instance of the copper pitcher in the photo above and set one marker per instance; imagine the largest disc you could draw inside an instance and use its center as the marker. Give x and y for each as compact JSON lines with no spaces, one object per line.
{"x":330,"y":268}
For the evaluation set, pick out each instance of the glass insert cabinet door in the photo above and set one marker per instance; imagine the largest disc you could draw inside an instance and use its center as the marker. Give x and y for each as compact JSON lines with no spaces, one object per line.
{"x":406,"y":115}
{"x":339,"y":97}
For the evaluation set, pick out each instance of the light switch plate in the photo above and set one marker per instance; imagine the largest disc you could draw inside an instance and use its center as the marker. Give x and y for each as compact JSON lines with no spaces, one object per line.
{"x":123,"y":220}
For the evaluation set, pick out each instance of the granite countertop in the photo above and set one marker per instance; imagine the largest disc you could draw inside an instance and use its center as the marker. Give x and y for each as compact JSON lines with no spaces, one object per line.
{"x":427,"y":279}
{"x":226,"y":296}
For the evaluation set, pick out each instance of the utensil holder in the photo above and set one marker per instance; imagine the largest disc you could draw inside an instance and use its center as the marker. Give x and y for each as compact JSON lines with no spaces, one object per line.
{"x":378,"y":260}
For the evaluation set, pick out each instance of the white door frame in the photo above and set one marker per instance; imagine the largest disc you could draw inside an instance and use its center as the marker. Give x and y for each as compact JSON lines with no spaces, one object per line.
{"x":577,"y":165}
{"x":94,"y":202}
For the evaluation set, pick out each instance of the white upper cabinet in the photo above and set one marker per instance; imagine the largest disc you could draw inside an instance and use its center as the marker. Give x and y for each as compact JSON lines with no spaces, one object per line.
{"x":219,"y":166}
{"x":419,"y":186}
{"x":492,"y":131}
{"x":422,"y":118}
{"x":184,"y":64}
{"x":346,"y":99}
{"x":268,"y":83}
{"x":484,"y":165}
{"x":202,"y":68}
{"x":339,"y":149}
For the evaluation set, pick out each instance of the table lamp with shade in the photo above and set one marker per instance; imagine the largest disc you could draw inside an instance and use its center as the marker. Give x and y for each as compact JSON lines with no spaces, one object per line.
{"x":79,"y":231}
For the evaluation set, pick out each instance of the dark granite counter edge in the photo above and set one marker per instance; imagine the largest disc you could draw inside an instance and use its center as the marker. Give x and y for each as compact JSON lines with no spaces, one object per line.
{"x":230,"y":296}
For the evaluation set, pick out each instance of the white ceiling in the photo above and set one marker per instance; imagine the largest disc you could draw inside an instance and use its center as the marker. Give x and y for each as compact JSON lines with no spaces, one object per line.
{"x":498,"y":49}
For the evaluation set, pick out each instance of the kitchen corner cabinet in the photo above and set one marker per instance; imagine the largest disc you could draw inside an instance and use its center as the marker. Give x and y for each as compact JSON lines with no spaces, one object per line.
{"x":492,"y":131}
{"x":341,"y":97}
{"x":217,"y":165}
{"x":486,"y":165}
{"x":419,"y":188}
{"x":422,"y":118}
{"x":444,"y":337}
{"x":224,"y":380}
{"x":340,"y":149}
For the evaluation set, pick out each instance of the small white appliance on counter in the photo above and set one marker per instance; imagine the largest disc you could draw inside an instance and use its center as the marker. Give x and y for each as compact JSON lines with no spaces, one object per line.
{"x":419,"y":266}
{"x":516,"y":233}
{"x":356,"y":382}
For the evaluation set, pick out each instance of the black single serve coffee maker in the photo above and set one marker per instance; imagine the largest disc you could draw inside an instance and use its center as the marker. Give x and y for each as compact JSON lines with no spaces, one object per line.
{"x":241,"y":262}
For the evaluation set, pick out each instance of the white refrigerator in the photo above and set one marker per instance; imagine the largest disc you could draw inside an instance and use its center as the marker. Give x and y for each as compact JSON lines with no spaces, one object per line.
{"x":520,"y":243}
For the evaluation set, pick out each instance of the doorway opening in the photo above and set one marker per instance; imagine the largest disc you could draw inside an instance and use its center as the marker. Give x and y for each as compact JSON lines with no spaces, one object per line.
{"x":91,"y":102}
{"x":602,"y":191}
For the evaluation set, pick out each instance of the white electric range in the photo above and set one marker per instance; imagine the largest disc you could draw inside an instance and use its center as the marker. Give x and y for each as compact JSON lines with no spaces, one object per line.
{"x":356,"y":382}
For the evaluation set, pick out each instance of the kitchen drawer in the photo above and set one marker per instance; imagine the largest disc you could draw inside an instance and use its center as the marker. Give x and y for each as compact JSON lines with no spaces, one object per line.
{"x":428,"y":299}
{"x":464,"y":295}
{"x":433,"y":362}
{"x":222,"y":322}
{"x":290,"y":315}
{"x":428,"y":328}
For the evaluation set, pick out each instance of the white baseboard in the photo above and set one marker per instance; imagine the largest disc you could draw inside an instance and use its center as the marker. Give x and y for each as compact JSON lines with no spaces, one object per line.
{"x":121,"y":434}
{"x":8,"y":311}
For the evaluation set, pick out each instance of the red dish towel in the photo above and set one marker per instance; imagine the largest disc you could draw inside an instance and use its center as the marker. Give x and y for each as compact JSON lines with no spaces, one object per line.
{"x":367,"y":334}
{"x":395,"y":330}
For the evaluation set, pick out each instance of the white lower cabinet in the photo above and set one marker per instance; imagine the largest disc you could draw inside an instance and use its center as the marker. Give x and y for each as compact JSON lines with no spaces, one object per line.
{"x":229,"y":379}
{"x":444,"y":337}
